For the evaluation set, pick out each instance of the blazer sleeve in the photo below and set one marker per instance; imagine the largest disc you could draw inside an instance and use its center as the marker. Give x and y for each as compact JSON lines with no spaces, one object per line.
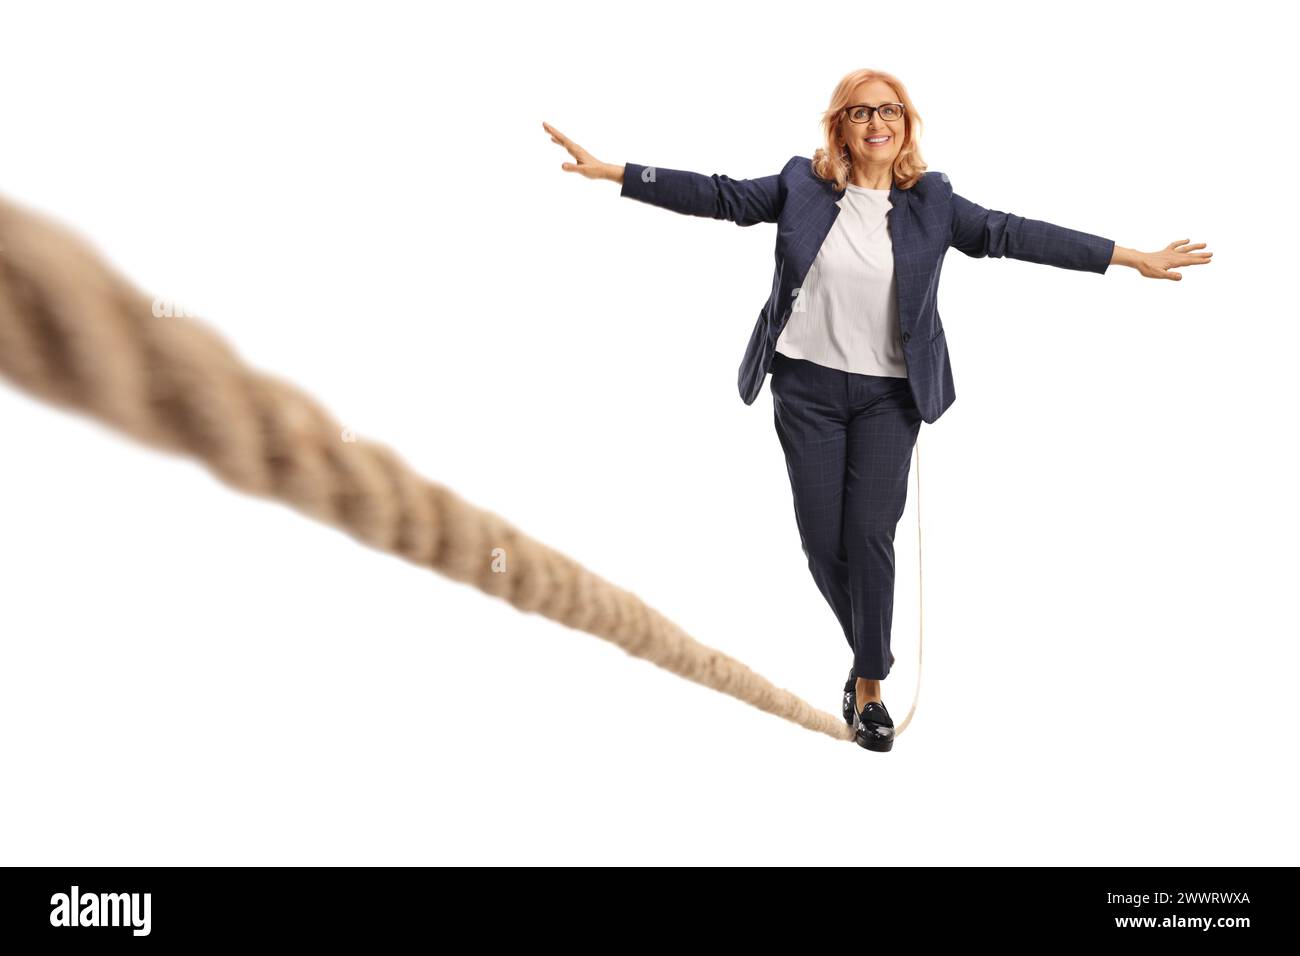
{"x":980,"y":232}
{"x":742,"y":201}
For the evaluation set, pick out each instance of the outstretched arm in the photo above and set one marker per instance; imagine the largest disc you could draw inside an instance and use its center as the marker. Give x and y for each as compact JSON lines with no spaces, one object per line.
{"x":742,"y":201}
{"x":978,"y":232}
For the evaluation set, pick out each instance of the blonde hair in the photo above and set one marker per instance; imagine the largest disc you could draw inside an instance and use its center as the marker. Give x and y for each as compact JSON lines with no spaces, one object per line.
{"x":831,"y":162}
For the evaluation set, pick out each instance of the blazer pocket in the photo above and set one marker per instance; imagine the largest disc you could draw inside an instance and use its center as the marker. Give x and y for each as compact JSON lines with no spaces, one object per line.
{"x":934,"y":338}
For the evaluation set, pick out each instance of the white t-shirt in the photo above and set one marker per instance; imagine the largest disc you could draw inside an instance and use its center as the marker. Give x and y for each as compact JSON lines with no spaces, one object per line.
{"x":846,"y":313}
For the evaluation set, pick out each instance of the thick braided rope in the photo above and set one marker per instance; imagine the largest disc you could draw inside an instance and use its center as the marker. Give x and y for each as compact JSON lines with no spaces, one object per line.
{"x":76,"y":333}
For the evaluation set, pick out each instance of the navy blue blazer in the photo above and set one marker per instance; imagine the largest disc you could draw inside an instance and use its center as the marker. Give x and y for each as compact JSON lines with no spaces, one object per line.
{"x":924,"y":221}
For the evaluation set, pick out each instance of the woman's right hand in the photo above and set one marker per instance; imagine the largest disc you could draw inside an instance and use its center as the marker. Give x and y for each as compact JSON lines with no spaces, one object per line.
{"x":586,"y":164}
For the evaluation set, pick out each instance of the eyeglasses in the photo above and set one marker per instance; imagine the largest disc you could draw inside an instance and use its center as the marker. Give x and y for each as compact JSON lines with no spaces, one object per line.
{"x":887,"y":111}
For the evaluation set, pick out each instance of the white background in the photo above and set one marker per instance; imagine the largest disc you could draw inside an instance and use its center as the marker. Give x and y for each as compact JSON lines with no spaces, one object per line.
{"x":361,"y":199}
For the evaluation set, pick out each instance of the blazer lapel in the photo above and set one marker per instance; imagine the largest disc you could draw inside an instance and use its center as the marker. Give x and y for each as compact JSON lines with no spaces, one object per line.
{"x":899,"y":218}
{"x":817,"y":228}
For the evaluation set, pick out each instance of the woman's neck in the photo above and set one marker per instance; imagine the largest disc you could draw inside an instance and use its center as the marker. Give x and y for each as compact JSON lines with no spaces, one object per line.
{"x":885,"y":181}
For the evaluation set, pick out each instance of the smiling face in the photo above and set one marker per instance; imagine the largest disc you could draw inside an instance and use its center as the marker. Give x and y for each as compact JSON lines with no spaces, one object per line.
{"x":875,"y":144}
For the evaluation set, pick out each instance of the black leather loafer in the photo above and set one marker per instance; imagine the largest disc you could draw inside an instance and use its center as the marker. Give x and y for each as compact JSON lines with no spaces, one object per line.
{"x":874,"y":728}
{"x":849,"y":707}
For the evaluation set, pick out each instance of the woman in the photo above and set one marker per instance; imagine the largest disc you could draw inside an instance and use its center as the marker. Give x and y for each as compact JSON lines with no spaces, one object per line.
{"x":852,"y":337}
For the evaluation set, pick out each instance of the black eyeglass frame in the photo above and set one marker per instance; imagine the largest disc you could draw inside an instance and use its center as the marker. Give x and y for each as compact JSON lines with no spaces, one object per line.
{"x":871,"y":110}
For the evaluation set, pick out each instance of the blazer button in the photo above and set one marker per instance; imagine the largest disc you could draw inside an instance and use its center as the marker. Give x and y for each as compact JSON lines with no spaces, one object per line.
{"x":907,"y":336}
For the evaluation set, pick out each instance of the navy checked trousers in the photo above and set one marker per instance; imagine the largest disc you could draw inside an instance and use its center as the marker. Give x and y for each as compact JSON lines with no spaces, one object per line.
{"x":848,"y":442}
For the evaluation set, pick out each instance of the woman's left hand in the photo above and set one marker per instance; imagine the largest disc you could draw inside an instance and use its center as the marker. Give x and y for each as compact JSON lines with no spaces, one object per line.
{"x":1160,"y":265}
